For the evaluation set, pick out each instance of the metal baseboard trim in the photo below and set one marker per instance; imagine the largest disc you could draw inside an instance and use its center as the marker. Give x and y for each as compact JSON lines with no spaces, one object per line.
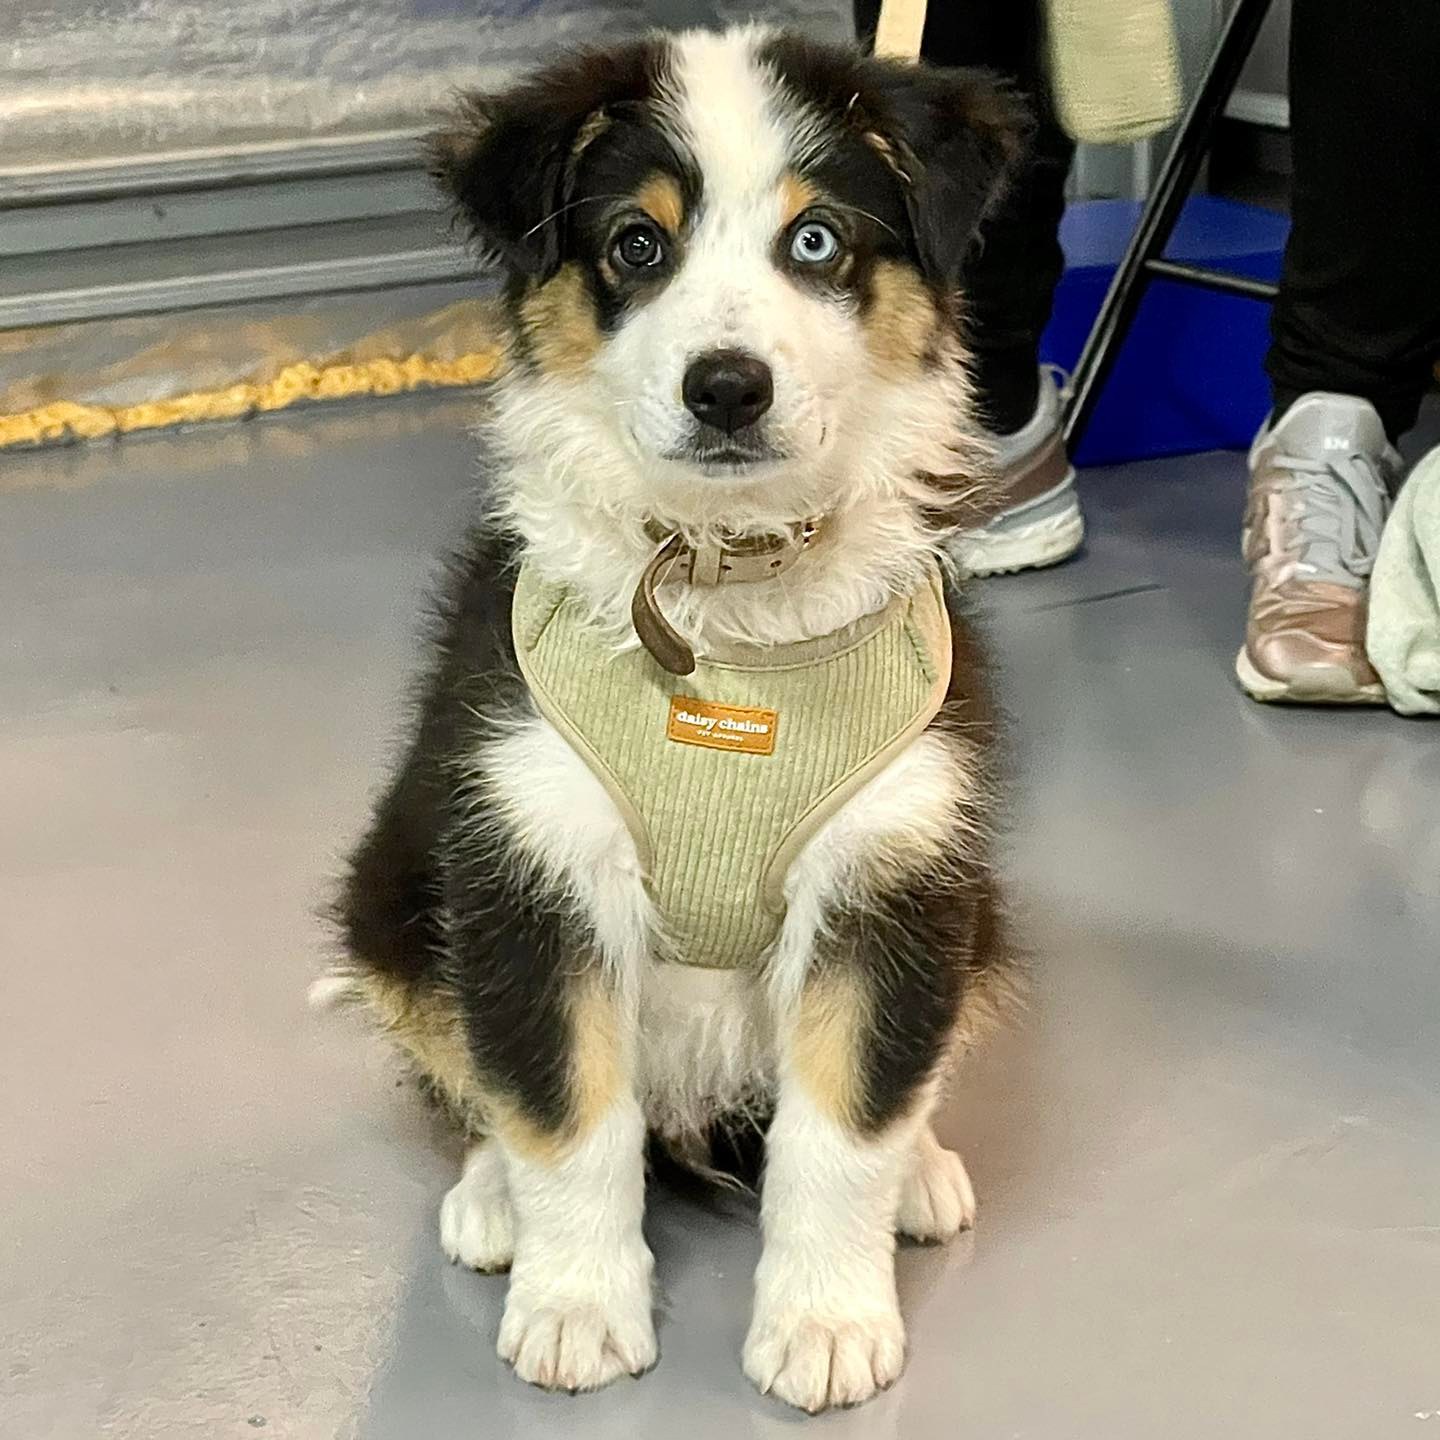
{"x":347,"y":274}
{"x":209,"y":169}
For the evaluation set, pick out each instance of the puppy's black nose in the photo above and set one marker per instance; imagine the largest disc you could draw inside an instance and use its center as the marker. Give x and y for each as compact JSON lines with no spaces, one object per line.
{"x":728,"y":389}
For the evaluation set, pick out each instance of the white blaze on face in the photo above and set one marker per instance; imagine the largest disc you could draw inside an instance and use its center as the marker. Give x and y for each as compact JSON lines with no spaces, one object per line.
{"x":730,"y":292}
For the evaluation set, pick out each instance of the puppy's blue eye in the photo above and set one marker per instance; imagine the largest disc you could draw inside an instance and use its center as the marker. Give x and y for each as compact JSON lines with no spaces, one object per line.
{"x":814,"y":244}
{"x":638,"y":247}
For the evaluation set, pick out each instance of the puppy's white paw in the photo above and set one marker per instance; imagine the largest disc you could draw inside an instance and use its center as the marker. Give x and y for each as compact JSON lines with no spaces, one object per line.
{"x":477,"y":1221}
{"x":936,"y":1197}
{"x":570,"y":1343}
{"x":814,"y":1362}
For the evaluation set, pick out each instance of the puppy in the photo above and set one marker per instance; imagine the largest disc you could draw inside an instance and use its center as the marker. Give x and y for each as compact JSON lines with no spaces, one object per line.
{"x":691,"y":830}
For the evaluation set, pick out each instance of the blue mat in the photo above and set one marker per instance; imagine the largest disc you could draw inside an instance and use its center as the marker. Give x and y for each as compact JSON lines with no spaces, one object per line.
{"x":1189,"y":376}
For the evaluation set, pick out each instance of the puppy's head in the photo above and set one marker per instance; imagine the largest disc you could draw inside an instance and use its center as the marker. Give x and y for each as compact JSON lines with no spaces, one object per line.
{"x":732,"y":263}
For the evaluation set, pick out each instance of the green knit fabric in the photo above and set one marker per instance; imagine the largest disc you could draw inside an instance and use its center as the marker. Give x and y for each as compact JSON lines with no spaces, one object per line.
{"x":1403,"y":639}
{"x":716,"y":829}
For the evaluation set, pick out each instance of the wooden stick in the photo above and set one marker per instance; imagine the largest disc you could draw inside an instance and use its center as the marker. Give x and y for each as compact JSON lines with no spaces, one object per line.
{"x":900,"y":28}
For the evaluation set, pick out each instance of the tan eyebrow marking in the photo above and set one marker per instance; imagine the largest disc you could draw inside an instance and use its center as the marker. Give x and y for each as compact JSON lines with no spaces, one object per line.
{"x":659,"y":197}
{"x":796,"y":196}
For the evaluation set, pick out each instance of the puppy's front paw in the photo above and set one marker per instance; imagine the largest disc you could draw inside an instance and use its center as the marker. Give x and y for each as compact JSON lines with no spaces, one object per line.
{"x":477,"y":1224}
{"x":936,"y":1198}
{"x":569,"y":1343}
{"x":814,"y":1362}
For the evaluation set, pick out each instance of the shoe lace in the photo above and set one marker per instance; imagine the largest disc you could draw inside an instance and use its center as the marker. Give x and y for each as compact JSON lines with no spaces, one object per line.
{"x":1334,"y":517}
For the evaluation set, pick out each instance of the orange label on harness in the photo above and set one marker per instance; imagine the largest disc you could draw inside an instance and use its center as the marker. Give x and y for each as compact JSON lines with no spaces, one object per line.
{"x":722,"y":727}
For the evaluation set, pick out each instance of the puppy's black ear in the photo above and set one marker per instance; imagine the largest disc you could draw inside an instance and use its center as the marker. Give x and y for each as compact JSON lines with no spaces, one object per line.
{"x":954,"y":137}
{"x":509,"y":160}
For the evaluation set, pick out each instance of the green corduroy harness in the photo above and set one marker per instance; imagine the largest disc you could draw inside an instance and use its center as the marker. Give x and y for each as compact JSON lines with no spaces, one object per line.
{"x":723,"y":775}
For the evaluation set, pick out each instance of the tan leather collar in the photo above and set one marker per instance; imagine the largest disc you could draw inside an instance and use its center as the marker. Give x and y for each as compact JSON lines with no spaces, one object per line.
{"x":742,"y":559}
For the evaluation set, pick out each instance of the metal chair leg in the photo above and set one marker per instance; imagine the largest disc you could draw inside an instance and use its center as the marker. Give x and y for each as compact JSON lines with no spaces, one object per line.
{"x":1145,"y":255}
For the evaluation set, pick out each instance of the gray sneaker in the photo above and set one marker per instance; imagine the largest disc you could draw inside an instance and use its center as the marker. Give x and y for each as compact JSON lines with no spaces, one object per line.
{"x":1034,"y":516}
{"x":1321,"y":478}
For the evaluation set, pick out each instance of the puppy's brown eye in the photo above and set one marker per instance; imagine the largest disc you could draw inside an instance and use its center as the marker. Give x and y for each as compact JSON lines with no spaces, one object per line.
{"x":639,"y":247}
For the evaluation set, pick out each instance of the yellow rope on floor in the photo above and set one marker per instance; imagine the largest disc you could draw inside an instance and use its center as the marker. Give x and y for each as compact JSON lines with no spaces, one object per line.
{"x":67,"y":420}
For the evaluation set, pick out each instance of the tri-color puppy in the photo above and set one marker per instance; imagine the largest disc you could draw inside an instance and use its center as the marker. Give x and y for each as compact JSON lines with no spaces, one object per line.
{"x":692,"y":829}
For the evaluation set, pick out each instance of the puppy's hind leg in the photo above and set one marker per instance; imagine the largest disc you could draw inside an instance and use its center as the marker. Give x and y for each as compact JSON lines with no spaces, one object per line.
{"x":477,"y":1224}
{"x":937,"y":1200}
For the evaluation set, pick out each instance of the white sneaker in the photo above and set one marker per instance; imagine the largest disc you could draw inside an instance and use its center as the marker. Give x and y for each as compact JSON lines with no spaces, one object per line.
{"x":1036,"y":519}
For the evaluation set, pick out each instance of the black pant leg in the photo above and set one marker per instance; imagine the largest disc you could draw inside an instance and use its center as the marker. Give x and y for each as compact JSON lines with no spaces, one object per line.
{"x":1359,"y":304}
{"x":1012,"y":271}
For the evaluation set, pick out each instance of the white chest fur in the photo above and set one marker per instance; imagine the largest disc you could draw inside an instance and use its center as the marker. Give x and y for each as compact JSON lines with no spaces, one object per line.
{"x":706,"y":1046}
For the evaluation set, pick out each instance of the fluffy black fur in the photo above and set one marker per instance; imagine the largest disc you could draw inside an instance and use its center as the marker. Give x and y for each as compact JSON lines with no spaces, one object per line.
{"x":434,"y":898}
{"x":509,"y":160}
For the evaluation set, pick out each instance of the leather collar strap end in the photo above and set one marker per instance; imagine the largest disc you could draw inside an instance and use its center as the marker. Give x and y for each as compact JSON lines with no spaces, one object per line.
{"x":741,"y":561}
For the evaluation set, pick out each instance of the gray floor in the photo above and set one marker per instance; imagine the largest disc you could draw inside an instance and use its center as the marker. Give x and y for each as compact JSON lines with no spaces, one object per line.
{"x":1209,"y":1166}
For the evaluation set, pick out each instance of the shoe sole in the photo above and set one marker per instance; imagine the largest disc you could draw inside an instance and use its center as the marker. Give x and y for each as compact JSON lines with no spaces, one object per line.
{"x":1336,"y":690}
{"x":1028,"y":545}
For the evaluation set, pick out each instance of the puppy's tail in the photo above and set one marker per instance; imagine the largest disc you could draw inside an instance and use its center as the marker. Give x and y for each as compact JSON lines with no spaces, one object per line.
{"x":337,"y":986}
